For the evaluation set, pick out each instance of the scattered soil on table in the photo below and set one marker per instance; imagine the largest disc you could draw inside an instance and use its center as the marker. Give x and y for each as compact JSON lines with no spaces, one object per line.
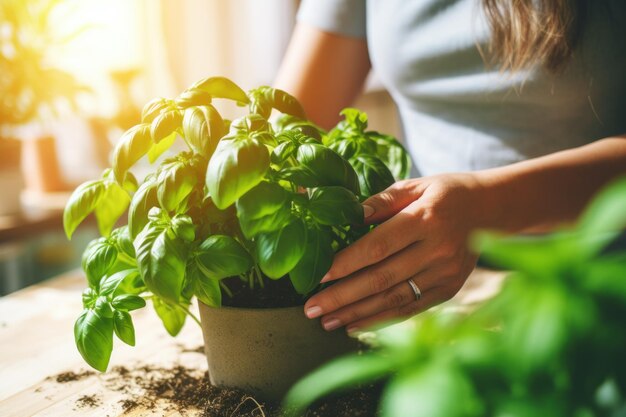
{"x":189,"y":392}
{"x":72,"y":376}
{"x":88,"y":401}
{"x":274,"y":294}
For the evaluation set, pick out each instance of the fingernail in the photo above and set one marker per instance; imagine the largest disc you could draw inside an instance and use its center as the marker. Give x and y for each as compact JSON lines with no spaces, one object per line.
{"x":313,"y":312}
{"x":325,"y":278}
{"x":368,"y":211}
{"x":352,"y":329}
{"x":331,"y":324}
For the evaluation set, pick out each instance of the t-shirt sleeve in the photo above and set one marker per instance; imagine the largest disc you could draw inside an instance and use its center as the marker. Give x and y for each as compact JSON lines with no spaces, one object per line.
{"x":343,"y":17}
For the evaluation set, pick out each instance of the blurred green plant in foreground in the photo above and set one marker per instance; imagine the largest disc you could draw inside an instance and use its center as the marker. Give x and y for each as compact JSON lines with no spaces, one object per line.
{"x":551,"y":343}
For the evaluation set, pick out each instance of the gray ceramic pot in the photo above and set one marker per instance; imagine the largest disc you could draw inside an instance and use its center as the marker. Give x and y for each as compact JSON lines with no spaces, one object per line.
{"x":265,"y":351}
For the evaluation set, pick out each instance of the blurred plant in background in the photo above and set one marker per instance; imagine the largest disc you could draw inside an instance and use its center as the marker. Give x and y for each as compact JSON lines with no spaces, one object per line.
{"x":552,"y":343}
{"x":30,"y":83}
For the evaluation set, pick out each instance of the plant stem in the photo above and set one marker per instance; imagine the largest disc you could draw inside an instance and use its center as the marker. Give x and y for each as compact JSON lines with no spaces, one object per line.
{"x":226,"y":289}
{"x":259,"y":276}
{"x":189,"y":313}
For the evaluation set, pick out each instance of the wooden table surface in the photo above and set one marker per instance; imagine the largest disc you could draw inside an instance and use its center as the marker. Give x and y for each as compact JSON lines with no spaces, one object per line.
{"x":36,"y":342}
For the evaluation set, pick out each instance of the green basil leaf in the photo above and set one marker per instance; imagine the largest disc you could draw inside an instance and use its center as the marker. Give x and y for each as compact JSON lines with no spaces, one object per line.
{"x":161,"y":260}
{"x":98,"y":258}
{"x":153,"y":108}
{"x":127,"y":281}
{"x":205,"y":288}
{"x":300,"y":175}
{"x":249,"y":124}
{"x":264,"y":208}
{"x":103,"y":307}
{"x":222,"y":256}
{"x":128,"y":302}
{"x":327,"y":166}
{"x":121,"y":236}
{"x":93,"y":335}
{"x":221,"y":87}
{"x":134,"y":144}
{"x":315,"y":262}
{"x":82,"y":202}
{"x":265,"y":98}
{"x":393,"y":154}
{"x":288,"y":122}
{"x":340,"y":374}
{"x":347,"y":148}
{"x":89,"y":297}
{"x":173,"y":317}
{"x":335,"y":206}
{"x":165,"y":124}
{"x":157,"y":149}
{"x":426,"y":391}
{"x":283,"y":152}
{"x":144,"y":199}
{"x":203,"y":128}
{"x":355,"y":119}
{"x":123,"y":326}
{"x":235,"y":168}
{"x":374,"y":176}
{"x":192,"y":97}
{"x":280,"y":251}
{"x":111,"y":206}
{"x":176,"y":180}
{"x":183,"y":227}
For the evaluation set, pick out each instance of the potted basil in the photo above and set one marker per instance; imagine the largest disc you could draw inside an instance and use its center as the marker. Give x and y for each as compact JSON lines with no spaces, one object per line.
{"x":246,"y":220}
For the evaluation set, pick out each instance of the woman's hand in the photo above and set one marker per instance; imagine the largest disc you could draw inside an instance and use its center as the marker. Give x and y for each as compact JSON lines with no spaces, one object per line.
{"x":423,"y":236}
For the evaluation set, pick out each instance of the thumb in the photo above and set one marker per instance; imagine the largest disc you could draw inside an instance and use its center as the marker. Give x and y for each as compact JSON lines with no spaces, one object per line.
{"x":390,"y":202}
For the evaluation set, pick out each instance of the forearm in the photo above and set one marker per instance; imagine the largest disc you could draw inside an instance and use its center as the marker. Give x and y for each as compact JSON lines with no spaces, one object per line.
{"x":324,"y":71}
{"x":541,"y":193}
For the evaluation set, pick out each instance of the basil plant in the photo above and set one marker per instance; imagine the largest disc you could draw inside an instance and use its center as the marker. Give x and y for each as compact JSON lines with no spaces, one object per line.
{"x":248,"y":198}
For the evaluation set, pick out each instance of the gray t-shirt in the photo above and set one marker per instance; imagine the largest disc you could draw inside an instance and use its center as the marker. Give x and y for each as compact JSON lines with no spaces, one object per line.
{"x":460,"y":115}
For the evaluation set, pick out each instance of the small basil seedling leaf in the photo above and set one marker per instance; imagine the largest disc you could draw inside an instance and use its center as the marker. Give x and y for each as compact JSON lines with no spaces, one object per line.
{"x":123,"y":326}
{"x":265,"y":98}
{"x":135,"y":143}
{"x":235,"y":168}
{"x":98,"y":258}
{"x":93,"y":335}
{"x":374,"y":176}
{"x":82,"y":202}
{"x":221,"y":256}
{"x":183,"y":227}
{"x":144,"y":199}
{"x":206,"y":289}
{"x":203,"y":127}
{"x":335,"y":206}
{"x":316,"y":261}
{"x":128,"y":302}
{"x":173,"y":317}
{"x":280,"y":251}
{"x":264,"y":208}
{"x":221,"y":87}
{"x":89,"y":298}
{"x":161,"y":260}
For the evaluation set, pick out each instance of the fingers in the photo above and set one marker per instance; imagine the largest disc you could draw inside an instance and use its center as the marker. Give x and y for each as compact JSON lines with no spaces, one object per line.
{"x":429,"y":299}
{"x":390,"y":237}
{"x":398,"y":295}
{"x":373,"y":280}
{"x":388,"y":203}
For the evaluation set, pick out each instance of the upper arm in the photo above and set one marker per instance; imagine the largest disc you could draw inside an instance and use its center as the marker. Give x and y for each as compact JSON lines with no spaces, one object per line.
{"x":325,"y":71}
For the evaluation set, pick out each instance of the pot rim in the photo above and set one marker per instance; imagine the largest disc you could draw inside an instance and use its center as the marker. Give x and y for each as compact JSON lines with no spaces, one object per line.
{"x":255,"y":309}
